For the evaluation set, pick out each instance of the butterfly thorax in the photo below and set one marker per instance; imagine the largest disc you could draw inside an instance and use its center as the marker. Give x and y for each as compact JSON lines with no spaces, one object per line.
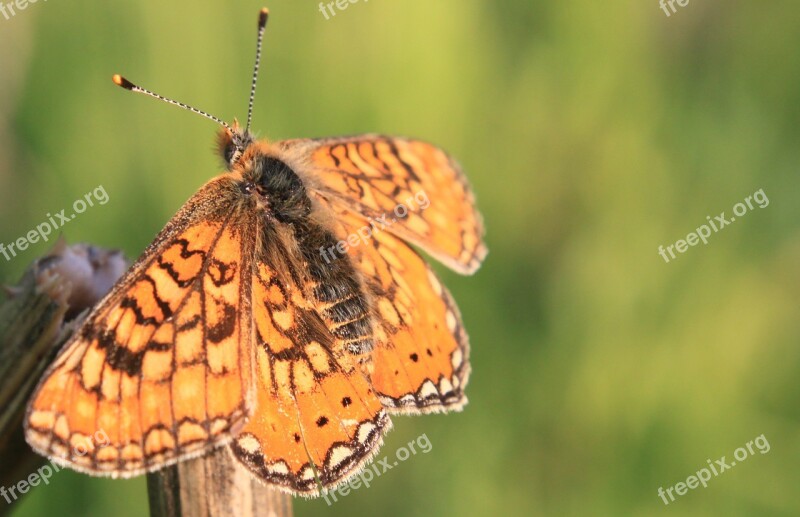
{"x":278,"y":189}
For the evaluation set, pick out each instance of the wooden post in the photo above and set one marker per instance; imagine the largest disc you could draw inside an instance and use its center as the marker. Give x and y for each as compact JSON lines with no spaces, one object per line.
{"x":214,"y":485}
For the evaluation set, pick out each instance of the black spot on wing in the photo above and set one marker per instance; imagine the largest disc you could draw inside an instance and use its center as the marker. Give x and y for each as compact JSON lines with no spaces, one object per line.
{"x":225,"y":327}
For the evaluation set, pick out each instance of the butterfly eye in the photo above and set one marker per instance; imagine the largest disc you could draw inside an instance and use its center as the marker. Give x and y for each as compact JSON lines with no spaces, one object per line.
{"x":226,"y":147}
{"x":228,"y":153}
{"x":231,"y":144}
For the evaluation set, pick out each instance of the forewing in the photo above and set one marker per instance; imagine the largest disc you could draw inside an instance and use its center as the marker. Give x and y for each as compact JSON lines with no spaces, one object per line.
{"x":161,"y":368}
{"x":407,"y":187}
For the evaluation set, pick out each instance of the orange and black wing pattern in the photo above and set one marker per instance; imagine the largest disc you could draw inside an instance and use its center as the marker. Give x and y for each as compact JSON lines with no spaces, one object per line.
{"x":317,"y":419}
{"x":407,"y":187}
{"x":420,"y":363}
{"x":161,"y":369}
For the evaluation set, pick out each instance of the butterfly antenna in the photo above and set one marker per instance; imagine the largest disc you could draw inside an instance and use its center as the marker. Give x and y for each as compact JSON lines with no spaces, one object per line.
{"x":262,"y":24}
{"x":124,"y":83}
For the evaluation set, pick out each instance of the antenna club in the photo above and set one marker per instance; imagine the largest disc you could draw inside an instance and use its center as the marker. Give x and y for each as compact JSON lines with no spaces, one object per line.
{"x":262,"y":17}
{"x":121,"y":81}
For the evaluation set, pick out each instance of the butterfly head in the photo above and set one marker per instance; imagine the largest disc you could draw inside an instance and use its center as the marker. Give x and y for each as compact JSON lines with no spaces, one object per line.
{"x":232,"y":142}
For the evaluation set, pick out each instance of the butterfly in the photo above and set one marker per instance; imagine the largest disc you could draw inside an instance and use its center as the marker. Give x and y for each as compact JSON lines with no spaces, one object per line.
{"x":281,"y":312}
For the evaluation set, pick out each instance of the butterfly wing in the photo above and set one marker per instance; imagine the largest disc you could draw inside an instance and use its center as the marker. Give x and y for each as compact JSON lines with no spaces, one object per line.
{"x":161,"y":369}
{"x":317,"y":419}
{"x":421,"y":359}
{"x":407,"y":187}
{"x":205,"y":331}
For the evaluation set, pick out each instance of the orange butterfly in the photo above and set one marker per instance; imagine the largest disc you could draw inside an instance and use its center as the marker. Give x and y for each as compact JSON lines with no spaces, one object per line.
{"x":256,"y":319}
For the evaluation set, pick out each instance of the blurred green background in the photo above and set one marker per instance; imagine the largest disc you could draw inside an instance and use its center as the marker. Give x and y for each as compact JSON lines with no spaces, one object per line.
{"x":592,"y":132}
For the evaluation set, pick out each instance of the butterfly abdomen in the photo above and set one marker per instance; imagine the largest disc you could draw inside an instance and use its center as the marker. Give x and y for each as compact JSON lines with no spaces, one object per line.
{"x":338,"y":290}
